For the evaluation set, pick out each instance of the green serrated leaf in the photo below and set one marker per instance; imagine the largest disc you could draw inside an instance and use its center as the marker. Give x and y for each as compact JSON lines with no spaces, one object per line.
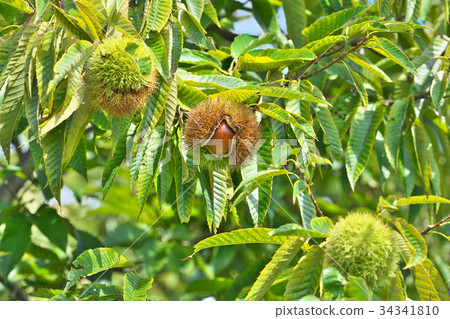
{"x":18,"y":4}
{"x":211,"y":80}
{"x":245,"y":42}
{"x":412,"y":10}
{"x":330,"y":129}
{"x":297,"y":231}
{"x":307,"y":209}
{"x":220,"y":196}
{"x":290,"y":94}
{"x":269,"y":59}
{"x":322,"y":225}
{"x":362,"y":139}
{"x":237,"y":95}
{"x":149,"y":165}
{"x":273,"y":269}
{"x":424,"y":284}
{"x":259,"y":199}
{"x":359,"y":85}
{"x":194,"y":30}
{"x":305,"y":278}
{"x":158,"y":49}
{"x":195,"y":8}
{"x":116,"y":157}
{"x":368,"y":66}
{"x":296,"y":20}
{"x":211,"y":12}
{"x":78,"y":162}
{"x":414,"y":241}
{"x":327,"y":25}
{"x":406,"y":168}
{"x":254,"y":180}
{"x":45,"y":57}
{"x":241,"y":236}
{"x":80,"y":119}
{"x":171,"y":106}
{"x":93,"y":261}
{"x":14,"y":243}
{"x":157,"y":14}
{"x":177,"y":46}
{"x":384,"y":7}
{"x":185,"y":191}
{"x":53,"y":152}
{"x":277,"y":112}
{"x":438,"y":87}
{"x":357,"y":289}
{"x":75,"y":56}
{"x":53,"y":226}
{"x":122,"y":24}
{"x":70,"y":24}
{"x":198,"y":58}
{"x":14,"y":76}
{"x":31,"y":107}
{"x":392,"y":131}
{"x":155,"y":106}
{"x":135,"y":287}
{"x":425,"y":199}
{"x":390,"y":50}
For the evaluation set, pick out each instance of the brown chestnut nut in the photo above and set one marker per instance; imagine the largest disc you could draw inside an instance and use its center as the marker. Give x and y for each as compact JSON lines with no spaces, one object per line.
{"x":221,"y":133}
{"x":220,"y":143}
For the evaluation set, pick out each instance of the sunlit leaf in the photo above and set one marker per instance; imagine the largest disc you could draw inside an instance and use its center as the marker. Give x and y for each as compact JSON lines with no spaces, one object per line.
{"x":325,"y":26}
{"x":305,"y":278}
{"x":14,"y":243}
{"x":94,"y":261}
{"x":277,"y":264}
{"x":268,"y":59}
{"x":135,"y":287}
{"x":241,"y":236}
{"x":414,"y":241}
{"x":389,"y":49}
{"x":362,"y":139}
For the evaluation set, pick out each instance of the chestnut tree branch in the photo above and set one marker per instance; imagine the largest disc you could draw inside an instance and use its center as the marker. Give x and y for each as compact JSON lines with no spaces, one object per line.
{"x":16,"y":292}
{"x":430,"y":227}
{"x":424,"y":95}
{"x":301,"y":76}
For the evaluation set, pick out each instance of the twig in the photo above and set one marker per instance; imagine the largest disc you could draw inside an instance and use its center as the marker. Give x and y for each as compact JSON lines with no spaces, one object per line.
{"x":424,"y":95}
{"x":307,"y":66}
{"x":311,"y":194}
{"x":430,"y":227}
{"x":16,"y":292}
{"x":301,"y":76}
{"x":307,"y":186}
{"x":341,"y":46}
{"x":335,"y":60}
{"x":226,"y":34}
{"x":31,"y":5}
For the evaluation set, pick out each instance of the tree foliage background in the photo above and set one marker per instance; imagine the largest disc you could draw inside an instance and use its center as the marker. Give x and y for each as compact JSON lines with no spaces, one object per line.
{"x":353,"y":101}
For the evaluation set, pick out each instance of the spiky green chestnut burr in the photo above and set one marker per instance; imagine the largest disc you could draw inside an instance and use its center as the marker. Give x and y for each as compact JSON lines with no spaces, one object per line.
{"x":120,"y":76}
{"x":362,"y":245}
